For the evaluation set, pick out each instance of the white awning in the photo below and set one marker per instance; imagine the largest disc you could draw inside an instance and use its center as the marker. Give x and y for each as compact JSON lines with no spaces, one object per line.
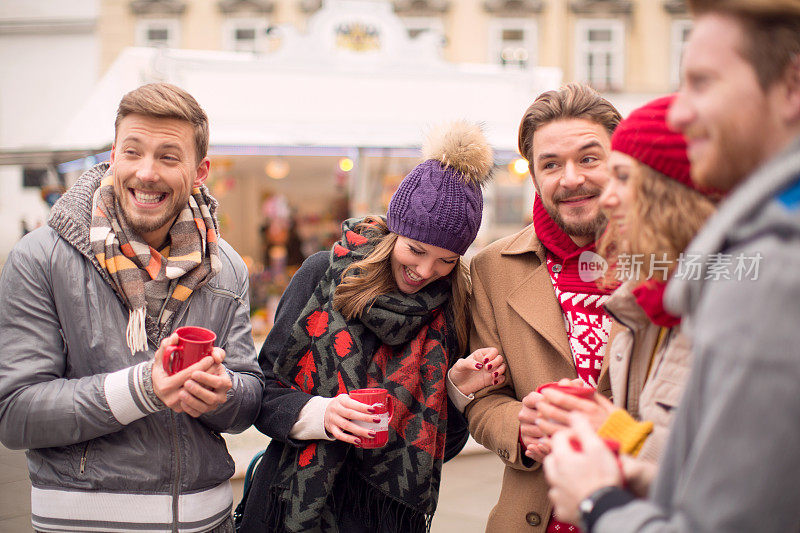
{"x":355,"y":79}
{"x":252,"y":101}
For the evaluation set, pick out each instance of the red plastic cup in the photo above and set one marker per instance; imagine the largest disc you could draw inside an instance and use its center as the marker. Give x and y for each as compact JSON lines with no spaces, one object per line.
{"x":610,"y":444}
{"x":581,"y":392}
{"x":194,"y":343}
{"x":381,"y":403}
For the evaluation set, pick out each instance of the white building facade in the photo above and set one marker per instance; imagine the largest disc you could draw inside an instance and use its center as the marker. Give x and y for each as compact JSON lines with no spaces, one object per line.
{"x":49,"y":62}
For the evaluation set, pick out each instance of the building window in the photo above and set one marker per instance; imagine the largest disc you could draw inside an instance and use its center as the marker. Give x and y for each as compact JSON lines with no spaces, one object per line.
{"x":680,"y":34}
{"x":158,"y":32}
{"x":512,"y":43}
{"x":600,"y":49}
{"x":34,"y":177}
{"x":245,"y":35}
{"x":418,"y":25}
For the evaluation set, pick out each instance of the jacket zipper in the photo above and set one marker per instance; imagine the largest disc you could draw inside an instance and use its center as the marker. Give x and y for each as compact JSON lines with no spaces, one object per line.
{"x":229,"y":294}
{"x":83,"y":457}
{"x":176,"y":489}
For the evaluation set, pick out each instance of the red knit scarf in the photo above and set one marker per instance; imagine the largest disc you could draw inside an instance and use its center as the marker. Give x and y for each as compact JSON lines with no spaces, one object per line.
{"x":650,"y":297}
{"x":564,"y":248}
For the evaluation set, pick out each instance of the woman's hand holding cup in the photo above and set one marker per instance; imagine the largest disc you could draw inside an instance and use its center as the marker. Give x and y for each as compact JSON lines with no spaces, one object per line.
{"x":340,"y":414}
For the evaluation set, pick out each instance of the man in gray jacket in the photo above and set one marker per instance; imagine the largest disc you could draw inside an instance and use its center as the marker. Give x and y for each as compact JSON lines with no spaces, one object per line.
{"x":87,"y":306}
{"x":733,"y":457}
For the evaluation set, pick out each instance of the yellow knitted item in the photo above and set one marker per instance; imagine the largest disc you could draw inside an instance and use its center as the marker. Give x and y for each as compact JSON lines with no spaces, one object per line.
{"x":623,"y":428}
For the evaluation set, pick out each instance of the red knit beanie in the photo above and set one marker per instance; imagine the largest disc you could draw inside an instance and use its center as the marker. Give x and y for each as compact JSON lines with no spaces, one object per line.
{"x":645,"y":136}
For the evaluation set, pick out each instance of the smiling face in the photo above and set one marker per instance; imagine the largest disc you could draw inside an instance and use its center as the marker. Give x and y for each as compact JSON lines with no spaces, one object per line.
{"x":155,"y":167}
{"x":569,"y":171}
{"x":617,"y":198}
{"x":415,"y":264}
{"x":730,"y":122}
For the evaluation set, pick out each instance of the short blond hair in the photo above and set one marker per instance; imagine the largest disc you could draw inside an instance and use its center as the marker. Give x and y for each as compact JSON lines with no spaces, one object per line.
{"x":163,"y":100}
{"x":573,"y":101}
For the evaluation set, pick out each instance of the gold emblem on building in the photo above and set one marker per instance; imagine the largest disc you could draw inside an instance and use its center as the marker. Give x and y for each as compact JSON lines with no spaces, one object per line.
{"x":358,"y":37}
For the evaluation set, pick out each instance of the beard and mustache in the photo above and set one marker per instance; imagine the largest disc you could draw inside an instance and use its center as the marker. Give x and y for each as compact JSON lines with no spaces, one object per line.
{"x":586,"y":228}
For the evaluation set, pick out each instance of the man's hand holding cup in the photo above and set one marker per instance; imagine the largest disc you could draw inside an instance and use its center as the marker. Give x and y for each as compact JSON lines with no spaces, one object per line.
{"x":195,"y":381}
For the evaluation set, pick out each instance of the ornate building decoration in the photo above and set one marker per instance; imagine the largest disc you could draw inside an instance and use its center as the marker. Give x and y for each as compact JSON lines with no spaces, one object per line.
{"x":157,"y":7}
{"x":601,"y":7}
{"x":231,"y":7}
{"x":513,"y":7}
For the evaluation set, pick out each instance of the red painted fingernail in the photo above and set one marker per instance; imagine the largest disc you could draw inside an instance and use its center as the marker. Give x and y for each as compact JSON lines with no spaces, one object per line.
{"x":372,"y":434}
{"x":371,"y":410}
{"x":495,"y":382}
{"x":358,"y":442}
{"x":376,"y":420}
{"x":486,"y":360}
{"x":478,"y":365}
{"x":496,"y":374}
{"x":489,"y":367}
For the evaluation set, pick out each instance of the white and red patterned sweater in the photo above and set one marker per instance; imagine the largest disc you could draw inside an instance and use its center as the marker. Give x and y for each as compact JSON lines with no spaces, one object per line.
{"x":581,"y":302}
{"x":587,"y":325}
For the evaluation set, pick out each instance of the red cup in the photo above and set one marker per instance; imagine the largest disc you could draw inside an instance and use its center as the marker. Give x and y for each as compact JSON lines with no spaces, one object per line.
{"x":581,"y":392}
{"x":381,"y":403}
{"x":610,"y":444}
{"x":194,"y":343}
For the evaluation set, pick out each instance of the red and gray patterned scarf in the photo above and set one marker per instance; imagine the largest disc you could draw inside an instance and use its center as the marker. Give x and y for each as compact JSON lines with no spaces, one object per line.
{"x":325,"y":356}
{"x":152,"y":284}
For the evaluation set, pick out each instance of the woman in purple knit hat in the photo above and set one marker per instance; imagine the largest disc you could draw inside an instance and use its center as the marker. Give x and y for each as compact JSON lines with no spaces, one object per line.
{"x":386,"y":307}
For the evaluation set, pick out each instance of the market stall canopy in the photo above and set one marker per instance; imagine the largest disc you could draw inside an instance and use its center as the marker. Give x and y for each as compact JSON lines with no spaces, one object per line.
{"x":355,"y":79}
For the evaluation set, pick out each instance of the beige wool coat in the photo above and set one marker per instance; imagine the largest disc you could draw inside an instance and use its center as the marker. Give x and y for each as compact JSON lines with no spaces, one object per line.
{"x":514,"y":309}
{"x":647,"y":390}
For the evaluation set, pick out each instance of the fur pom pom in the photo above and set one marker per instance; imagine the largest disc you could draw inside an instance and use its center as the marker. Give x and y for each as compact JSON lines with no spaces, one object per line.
{"x":462,"y":146}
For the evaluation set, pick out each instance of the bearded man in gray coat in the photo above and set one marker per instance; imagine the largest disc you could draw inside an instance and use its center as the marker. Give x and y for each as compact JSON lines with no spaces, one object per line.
{"x":87,"y":307}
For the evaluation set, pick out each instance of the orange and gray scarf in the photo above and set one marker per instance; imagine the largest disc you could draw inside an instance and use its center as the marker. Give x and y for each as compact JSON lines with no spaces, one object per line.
{"x":152,"y":283}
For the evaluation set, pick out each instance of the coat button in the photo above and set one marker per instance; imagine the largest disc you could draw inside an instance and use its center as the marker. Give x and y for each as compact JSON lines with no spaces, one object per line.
{"x":618,"y":355}
{"x":557,"y":268}
{"x":533,"y":519}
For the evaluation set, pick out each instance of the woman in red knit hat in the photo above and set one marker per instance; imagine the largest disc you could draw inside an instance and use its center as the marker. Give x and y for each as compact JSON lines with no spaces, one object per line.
{"x":654,"y":211}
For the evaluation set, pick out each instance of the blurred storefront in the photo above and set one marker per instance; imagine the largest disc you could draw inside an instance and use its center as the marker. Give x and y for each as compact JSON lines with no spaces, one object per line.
{"x":323,"y":127}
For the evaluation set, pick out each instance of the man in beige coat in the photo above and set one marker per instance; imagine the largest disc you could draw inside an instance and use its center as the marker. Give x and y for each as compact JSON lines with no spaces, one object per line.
{"x":533,"y":301}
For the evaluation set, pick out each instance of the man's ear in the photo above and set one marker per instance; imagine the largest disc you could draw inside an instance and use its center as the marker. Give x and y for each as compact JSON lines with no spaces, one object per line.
{"x":111,"y":157}
{"x":203,"y":170}
{"x":791,"y":82}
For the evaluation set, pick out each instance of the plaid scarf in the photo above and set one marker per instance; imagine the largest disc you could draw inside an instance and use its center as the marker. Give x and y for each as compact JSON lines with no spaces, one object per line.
{"x":325,"y":356}
{"x":145,"y":278}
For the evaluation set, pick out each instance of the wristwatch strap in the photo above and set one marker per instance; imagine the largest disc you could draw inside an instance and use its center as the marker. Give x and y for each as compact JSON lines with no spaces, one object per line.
{"x":600,"y":501}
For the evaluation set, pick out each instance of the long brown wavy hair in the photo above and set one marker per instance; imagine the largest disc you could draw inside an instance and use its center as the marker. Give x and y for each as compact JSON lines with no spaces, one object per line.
{"x":365,"y":280}
{"x":664,"y":217}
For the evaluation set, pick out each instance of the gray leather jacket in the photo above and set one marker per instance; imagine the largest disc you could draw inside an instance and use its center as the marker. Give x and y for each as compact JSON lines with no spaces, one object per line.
{"x":62,"y":333}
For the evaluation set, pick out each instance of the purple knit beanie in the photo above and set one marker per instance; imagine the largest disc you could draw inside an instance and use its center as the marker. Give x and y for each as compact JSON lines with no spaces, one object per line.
{"x":440,"y":202}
